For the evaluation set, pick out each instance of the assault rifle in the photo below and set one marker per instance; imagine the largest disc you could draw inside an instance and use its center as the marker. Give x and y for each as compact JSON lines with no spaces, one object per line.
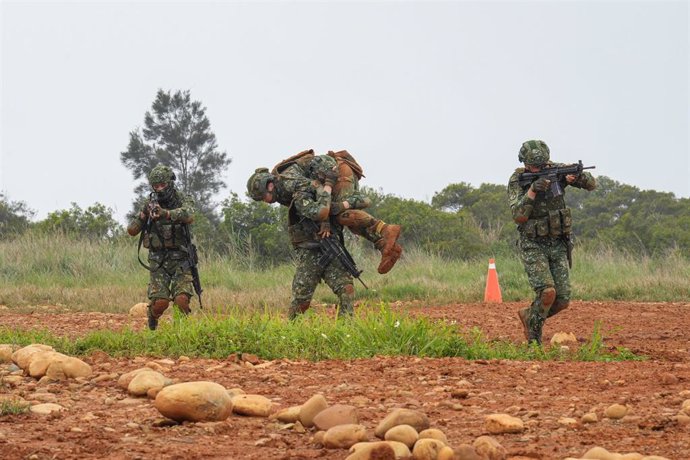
{"x":554,"y":174}
{"x":332,"y":247}
{"x":153,"y":209}
{"x":193,"y":260}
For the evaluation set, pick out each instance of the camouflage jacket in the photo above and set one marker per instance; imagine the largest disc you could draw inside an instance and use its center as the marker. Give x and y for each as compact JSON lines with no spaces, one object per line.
{"x":525,"y":208}
{"x":306,"y":199}
{"x":166,"y":233}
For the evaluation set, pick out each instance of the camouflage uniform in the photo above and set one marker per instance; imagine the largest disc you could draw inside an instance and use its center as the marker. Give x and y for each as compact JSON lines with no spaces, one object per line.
{"x":544,"y":226}
{"x":170,"y":272}
{"x":306,"y":199}
{"x":342,"y":172}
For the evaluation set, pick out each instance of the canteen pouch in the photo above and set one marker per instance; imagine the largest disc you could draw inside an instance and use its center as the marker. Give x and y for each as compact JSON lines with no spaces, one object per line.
{"x":566,"y":221}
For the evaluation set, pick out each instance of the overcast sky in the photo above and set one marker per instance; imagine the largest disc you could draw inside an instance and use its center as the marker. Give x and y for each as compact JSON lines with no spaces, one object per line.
{"x":423,"y":94}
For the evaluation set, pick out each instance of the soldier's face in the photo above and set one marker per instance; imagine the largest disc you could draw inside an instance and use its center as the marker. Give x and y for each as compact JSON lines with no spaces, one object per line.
{"x":533,"y":168}
{"x":268,"y":196}
{"x":159,"y":187}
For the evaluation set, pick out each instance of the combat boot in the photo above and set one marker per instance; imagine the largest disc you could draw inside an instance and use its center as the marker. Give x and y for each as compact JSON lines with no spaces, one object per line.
{"x":523,"y":314}
{"x":152,"y":320}
{"x":390,"y":249}
{"x":297,"y":309}
{"x":536,"y":324}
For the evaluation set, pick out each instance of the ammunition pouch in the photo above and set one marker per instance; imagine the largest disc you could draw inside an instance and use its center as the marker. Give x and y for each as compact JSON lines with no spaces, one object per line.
{"x":554,"y":225}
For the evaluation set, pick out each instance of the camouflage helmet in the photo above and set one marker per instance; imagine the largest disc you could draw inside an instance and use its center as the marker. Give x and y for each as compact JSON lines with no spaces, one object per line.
{"x":534,"y":152}
{"x":257,"y":185}
{"x":161,"y":174}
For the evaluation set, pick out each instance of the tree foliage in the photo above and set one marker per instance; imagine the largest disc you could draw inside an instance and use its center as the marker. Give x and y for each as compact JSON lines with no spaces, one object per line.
{"x":15,"y":217}
{"x":94,"y":222}
{"x":178,"y":133}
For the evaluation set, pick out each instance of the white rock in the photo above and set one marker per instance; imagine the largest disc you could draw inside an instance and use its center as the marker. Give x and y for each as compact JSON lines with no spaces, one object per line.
{"x":503,"y":423}
{"x":194,"y":401}
{"x":139,"y":310}
{"x":46,"y":408}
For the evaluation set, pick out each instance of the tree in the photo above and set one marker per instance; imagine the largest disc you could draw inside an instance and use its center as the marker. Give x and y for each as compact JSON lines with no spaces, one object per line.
{"x":95,"y":222}
{"x":177,"y":133}
{"x":15,"y":216}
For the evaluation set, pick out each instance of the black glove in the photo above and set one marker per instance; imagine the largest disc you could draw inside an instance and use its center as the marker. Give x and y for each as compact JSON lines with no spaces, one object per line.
{"x":540,"y":185}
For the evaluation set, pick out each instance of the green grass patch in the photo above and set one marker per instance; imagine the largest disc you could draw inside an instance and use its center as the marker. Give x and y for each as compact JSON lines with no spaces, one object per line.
{"x":12,"y":407}
{"x":374,"y":331}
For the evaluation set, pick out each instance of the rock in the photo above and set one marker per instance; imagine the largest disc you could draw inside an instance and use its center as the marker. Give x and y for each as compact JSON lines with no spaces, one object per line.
{"x":668,"y":379}
{"x":373,"y":451}
{"x":6,"y":353}
{"x":39,"y":362}
{"x":318,"y":438}
{"x":402,"y":433}
{"x":563,"y":338}
{"x":616,"y":411}
{"x":23,"y":356}
{"x":46,"y":408}
{"x":433,"y":433}
{"x":489,"y":448}
{"x":466,"y":452}
{"x":311,"y":408}
{"x":12,"y":380}
{"x":232,"y":392}
{"x":194,"y":401}
{"x":338,"y":414}
{"x":252,"y":405}
{"x":44,"y":397}
{"x":599,"y":453}
{"x":503,"y":423}
{"x":379,"y":450}
{"x":682,"y":420}
{"x":125,"y":379}
{"x":155,"y":366}
{"x":446,"y":453}
{"x":427,"y":449}
{"x":589,"y":417}
{"x":415,"y":419}
{"x":72,"y":368}
{"x":289,"y":415}
{"x":139,"y":310}
{"x":567,"y":421}
{"x":104,"y":378}
{"x":344,"y":436}
{"x":685,"y":408}
{"x":145,"y":381}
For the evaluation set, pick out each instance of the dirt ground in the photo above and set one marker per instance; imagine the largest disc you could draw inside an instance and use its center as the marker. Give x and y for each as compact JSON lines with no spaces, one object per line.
{"x":101,"y":421}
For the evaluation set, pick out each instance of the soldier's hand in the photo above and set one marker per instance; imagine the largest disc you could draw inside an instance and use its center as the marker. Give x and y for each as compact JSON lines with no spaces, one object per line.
{"x":540,"y":185}
{"x":338,"y":207}
{"x":325,"y":230}
{"x":156,"y":212}
{"x":570,"y":178}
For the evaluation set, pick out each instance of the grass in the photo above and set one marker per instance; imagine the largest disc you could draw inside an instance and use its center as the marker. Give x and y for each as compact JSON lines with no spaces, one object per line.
{"x":12,"y":407}
{"x":374,"y":331}
{"x":105,"y":276}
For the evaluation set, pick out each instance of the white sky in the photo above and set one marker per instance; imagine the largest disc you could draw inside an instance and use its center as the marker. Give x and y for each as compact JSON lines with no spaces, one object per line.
{"x":424,"y":94}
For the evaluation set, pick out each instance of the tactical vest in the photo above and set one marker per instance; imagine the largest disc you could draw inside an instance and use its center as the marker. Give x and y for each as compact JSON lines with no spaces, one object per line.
{"x":164,"y":234}
{"x":549,"y":218}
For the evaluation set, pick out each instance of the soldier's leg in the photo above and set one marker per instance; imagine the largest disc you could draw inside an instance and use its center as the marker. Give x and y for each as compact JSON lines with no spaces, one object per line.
{"x":383,"y":235}
{"x":561,"y":277}
{"x":159,"y":296}
{"x":341,"y":283}
{"x":535,"y":259}
{"x":182,"y":287}
{"x":307,"y":276}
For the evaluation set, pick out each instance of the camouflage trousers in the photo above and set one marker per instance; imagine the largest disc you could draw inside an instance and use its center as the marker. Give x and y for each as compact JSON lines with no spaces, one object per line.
{"x":308,"y":274}
{"x":546,"y":264}
{"x":170,"y":275}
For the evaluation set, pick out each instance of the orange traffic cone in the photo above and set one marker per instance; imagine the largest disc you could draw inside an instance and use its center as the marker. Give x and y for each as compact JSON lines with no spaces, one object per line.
{"x":492,"y":293}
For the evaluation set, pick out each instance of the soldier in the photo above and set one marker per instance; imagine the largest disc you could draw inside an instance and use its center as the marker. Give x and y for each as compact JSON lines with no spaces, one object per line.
{"x":306,"y":200}
{"x":339,"y":172}
{"x":164,"y":219}
{"x":544,"y":226}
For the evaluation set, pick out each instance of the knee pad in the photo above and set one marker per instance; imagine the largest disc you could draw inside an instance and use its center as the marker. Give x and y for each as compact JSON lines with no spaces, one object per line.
{"x":182,"y":301}
{"x":158,"y":307}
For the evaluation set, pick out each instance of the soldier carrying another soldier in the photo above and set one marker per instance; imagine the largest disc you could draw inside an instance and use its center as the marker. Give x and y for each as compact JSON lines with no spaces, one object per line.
{"x":544,"y":226}
{"x":164,"y":221}
{"x":339,"y":173}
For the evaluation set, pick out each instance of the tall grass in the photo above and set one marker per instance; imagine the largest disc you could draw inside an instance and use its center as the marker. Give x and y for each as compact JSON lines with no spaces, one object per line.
{"x":87,"y":275}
